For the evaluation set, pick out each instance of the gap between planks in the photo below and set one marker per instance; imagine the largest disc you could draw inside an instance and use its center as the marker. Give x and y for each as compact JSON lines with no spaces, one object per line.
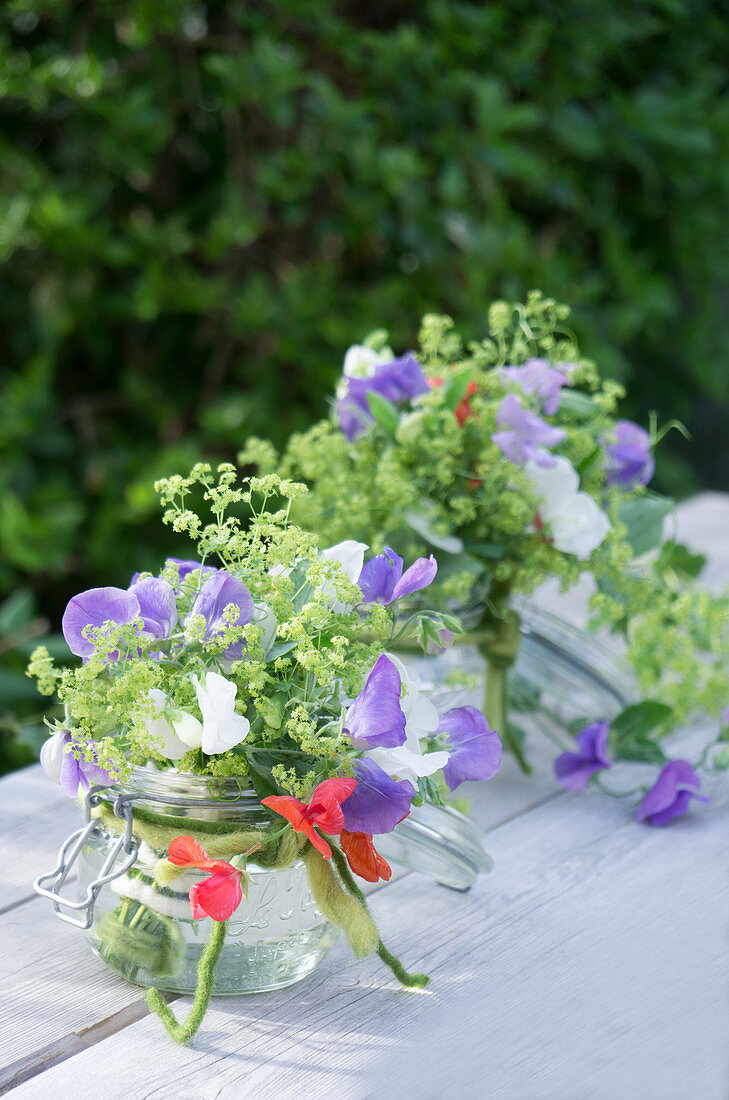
{"x":24,"y":1069}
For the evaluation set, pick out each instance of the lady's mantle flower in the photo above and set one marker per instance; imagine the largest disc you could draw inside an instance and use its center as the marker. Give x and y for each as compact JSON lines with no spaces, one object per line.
{"x":363,"y":857}
{"x":323,"y":810}
{"x":671,"y":794}
{"x":525,"y":436}
{"x":376,"y":719}
{"x":474,"y":750}
{"x":575,"y":522}
{"x":60,"y":765}
{"x":539,"y":377}
{"x":628,"y":458}
{"x":378,"y":802}
{"x":397,"y":380}
{"x":383,"y":581}
{"x":217,"y":896}
{"x":574,"y":770}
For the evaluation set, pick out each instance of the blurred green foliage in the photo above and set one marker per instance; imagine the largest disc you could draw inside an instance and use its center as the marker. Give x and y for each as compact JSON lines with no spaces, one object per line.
{"x":203,"y":204}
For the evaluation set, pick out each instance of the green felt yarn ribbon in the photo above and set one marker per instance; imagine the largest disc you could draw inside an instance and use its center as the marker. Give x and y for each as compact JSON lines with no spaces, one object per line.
{"x":183,"y":1032}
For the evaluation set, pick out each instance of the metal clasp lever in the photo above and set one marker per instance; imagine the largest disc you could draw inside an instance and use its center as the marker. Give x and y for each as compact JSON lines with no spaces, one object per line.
{"x":50,"y":885}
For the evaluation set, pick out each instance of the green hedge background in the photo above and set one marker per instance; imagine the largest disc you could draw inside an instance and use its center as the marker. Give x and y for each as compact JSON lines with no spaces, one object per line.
{"x":203,"y":204}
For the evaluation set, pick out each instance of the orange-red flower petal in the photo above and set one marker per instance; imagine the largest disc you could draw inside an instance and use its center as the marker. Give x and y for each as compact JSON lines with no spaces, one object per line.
{"x":363,"y":857}
{"x":185,"y":851}
{"x":217,"y":896}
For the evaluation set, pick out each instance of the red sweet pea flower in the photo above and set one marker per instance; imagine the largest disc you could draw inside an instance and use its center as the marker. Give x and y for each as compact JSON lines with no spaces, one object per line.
{"x":324,"y":810}
{"x":217,"y":896}
{"x":363,"y":858}
{"x":464,"y":411}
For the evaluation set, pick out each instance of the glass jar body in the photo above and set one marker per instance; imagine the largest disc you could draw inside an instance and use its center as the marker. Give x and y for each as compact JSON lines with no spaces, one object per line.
{"x":146,"y":931}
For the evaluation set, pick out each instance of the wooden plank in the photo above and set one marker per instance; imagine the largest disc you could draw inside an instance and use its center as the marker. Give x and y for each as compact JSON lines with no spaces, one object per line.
{"x":35,"y":817}
{"x":53,"y":987}
{"x":592,"y":963}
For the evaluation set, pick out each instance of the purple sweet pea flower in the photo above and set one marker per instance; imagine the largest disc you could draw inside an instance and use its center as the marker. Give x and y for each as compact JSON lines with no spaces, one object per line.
{"x":399,"y":380}
{"x":93,"y":608}
{"x":628,"y":458}
{"x":185,"y":567}
{"x":219,"y":590}
{"x":383,"y":581}
{"x":525,"y":435}
{"x":574,"y":770}
{"x":157,"y":606}
{"x":541,"y":378}
{"x":60,"y":765}
{"x":475,"y":750}
{"x":377,"y":802}
{"x":376,"y":719}
{"x":671,"y":794}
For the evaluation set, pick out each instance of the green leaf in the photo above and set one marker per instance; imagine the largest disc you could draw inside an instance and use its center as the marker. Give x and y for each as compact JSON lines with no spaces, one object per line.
{"x":17,"y":611}
{"x":576,"y":405}
{"x":587,"y":463}
{"x":279,"y":650}
{"x":455,"y":389}
{"x":677,"y":557}
{"x":384,"y":412}
{"x":490,"y":551}
{"x":639,"y":720}
{"x":640,"y":750}
{"x":643,"y":516}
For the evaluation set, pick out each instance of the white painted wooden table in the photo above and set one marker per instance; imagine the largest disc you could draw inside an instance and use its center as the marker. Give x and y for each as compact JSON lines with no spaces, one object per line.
{"x":592,"y":964}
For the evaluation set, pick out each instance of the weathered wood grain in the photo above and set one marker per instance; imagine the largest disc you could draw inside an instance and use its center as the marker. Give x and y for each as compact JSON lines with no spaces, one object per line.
{"x":592,"y":963}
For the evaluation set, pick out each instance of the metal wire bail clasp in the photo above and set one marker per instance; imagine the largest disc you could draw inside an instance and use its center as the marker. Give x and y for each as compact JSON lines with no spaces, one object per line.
{"x":50,"y":885}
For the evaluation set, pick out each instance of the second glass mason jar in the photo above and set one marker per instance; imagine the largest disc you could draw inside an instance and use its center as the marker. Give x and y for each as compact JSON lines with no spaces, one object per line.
{"x":146,"y":931}
{"x":561,"y":675}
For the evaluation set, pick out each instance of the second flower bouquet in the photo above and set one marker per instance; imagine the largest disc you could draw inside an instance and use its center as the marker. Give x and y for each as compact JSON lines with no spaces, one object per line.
{"x":246,"y":737}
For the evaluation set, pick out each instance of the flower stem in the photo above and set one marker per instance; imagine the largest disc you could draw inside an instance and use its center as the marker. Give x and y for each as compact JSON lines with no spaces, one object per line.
{"x":496,"y":709}
{"x":183,"y":1032}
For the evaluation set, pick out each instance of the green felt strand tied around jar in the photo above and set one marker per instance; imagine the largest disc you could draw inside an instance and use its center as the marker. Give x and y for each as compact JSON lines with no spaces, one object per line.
{"x":498,"y":637}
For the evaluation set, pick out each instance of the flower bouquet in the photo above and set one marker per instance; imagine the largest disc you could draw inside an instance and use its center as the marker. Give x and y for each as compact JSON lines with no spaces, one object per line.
{"x":244,"y":739}
{"x":508,"y":456}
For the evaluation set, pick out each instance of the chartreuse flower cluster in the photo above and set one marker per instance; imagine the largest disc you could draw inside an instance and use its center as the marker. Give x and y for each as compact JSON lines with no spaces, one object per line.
{"x":508,"y":457}
{"x":264,"y":658}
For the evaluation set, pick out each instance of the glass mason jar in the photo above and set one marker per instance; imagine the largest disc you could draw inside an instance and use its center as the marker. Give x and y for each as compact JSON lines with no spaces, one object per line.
{"x":145,"y":931}
{"x":277,"y":935}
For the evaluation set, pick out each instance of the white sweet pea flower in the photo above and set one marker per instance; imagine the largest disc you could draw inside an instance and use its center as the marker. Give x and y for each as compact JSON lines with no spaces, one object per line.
{"x":421,"y":720}
{"x":222,"y":728}
{"x":420,"y":715}
{"x":350,"y":555}
{"x":408,"y":762}
{"x":360,"y":361}
{"x":175,"y":730}
{"x":575,"y":522}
